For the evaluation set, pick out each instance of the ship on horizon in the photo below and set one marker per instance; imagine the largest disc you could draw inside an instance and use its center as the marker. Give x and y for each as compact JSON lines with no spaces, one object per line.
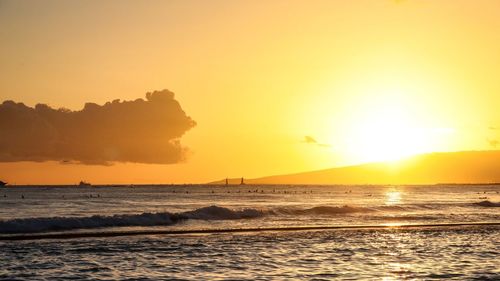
{"x":84,"y":184}
{"x":2,"y":183}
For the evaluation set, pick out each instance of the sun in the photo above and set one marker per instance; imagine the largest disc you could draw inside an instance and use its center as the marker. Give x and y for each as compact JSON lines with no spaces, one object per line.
{"x":386,"y":115}
{"x":385,"y":130}
{"x":387,"y":134}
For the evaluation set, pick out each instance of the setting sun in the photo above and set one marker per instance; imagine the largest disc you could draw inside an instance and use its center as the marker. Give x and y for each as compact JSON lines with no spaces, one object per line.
{"x":387,"y":132}
{"x":390,"y":123}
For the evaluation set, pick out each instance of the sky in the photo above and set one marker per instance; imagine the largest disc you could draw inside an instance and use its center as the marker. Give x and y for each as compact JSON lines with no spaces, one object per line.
{"x":263,"y":87}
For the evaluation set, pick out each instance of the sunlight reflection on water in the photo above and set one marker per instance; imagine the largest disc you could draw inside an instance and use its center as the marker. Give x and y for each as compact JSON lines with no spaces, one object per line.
{"x":393,"y":197}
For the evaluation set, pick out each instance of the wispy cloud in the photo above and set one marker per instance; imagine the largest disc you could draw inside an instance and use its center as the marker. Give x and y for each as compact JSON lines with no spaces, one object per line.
{"x":493,"y":142}
{"x":311,"y":140}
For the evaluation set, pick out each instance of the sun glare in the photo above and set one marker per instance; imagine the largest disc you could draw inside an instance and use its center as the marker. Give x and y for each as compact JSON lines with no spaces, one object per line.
{"x":387,"y":128}
{"x":388,"y":134}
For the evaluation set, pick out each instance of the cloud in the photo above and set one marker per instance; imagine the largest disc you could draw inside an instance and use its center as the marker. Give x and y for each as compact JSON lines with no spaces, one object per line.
{"x":493,"y":143}
{"x":493,"y":128}
{"x":311,"y":140}
{"x":140,"y":131}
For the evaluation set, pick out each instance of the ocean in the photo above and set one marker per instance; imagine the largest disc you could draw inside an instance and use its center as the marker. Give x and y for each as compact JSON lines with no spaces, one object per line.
{"x":250,"y":232}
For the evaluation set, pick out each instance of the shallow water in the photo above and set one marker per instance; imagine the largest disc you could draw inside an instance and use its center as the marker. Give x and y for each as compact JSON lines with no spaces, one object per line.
{"x":458,"y":253}
{"x":467,"y":252}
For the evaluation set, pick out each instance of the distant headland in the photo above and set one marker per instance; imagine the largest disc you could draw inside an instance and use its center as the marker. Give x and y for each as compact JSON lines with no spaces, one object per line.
{"x":465,"y":167}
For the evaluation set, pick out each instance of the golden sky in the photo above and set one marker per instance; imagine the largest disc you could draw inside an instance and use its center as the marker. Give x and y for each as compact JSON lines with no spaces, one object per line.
{"x":273,"y":86}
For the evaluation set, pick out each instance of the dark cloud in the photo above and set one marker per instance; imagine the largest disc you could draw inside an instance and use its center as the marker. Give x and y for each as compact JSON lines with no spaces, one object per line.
{"x":141,"y":131}
{"x":493,"y":128}
{"x":311,"y":140}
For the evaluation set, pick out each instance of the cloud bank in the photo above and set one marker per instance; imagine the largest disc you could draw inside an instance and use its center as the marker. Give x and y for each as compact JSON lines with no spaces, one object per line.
{"x":140,"y":131}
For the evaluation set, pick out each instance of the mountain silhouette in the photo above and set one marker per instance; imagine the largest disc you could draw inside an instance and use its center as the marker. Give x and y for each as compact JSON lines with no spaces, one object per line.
{"x":433,"y":168}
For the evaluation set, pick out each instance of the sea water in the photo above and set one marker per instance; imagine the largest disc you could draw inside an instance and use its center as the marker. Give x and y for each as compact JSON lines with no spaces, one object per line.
{"x":433,"y":249}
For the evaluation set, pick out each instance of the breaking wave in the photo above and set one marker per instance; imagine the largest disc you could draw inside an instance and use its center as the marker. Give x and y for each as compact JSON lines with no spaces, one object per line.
{"x":32,"y":225}
{"x":47,"y":224}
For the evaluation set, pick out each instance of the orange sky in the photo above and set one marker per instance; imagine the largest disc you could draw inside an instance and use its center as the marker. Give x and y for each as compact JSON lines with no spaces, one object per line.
{"x":366,"y":80}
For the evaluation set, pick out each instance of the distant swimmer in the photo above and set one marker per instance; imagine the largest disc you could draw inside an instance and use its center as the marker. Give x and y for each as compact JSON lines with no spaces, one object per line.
{"x":5,"y":196}
{"x":22,"y":196}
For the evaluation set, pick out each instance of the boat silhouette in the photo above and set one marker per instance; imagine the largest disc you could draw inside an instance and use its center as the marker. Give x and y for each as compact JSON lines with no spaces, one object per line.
{"x":84,"y":184}
{"x":2,"y":183}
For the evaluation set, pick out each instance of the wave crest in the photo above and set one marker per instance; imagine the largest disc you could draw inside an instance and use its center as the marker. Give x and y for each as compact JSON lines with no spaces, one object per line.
{"x":32,"y":225}
{"x":46,"y":224}
{"x":487,"y":204}
{"x":221,"y":213}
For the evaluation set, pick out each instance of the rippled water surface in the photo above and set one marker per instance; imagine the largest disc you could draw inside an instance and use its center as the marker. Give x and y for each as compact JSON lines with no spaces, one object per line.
{"x":458,"y":252}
